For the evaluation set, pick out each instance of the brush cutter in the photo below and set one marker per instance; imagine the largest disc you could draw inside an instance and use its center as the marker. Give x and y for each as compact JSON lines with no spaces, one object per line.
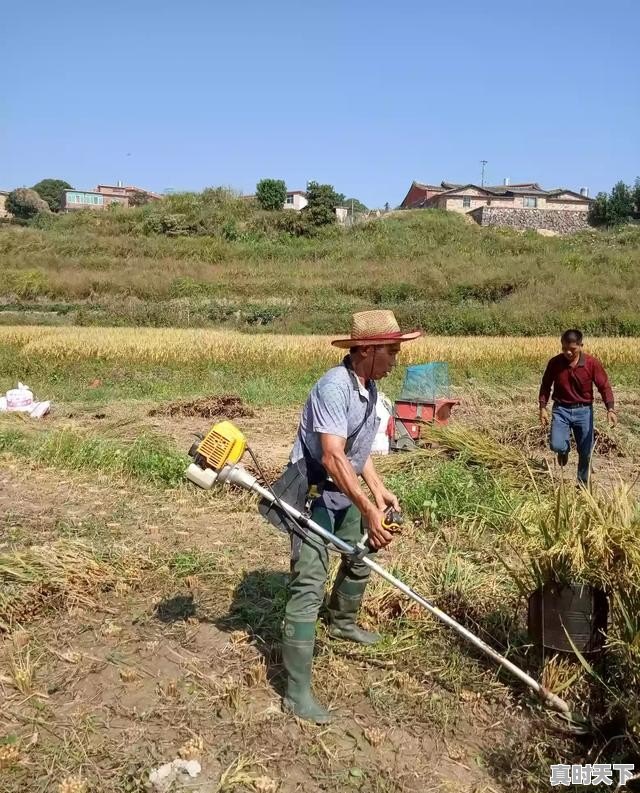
{"x":216,"y":460}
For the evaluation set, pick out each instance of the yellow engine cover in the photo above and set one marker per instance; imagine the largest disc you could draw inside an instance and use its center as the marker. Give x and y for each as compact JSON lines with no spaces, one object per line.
{"x":224,"y":443}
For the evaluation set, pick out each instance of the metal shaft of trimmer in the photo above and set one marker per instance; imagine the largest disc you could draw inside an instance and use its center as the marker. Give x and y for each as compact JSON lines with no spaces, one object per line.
{"x":237,"y":475}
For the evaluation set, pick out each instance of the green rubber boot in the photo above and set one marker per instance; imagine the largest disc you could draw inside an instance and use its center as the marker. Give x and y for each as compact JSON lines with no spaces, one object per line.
{"x":343,"y":608}
{"x":297,"y":656}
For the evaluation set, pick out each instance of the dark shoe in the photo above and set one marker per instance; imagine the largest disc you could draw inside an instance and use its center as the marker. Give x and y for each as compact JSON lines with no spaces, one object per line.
{"x":305,"y":707}
{"x":353,"y":633}
{"x":297,"y":656}
{"x":563,"y":459}
{"x":343,"y":608}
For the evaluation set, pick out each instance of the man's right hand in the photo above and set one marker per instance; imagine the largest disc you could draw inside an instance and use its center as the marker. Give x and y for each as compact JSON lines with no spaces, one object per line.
{"x":544,"y":417}
{"x":379,"y":537}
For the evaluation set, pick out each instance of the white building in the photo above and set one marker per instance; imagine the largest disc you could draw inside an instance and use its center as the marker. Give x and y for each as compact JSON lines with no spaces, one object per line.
{"x":296,"y":199}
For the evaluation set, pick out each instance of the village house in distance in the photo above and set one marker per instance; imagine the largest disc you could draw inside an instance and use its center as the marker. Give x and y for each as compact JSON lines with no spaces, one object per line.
{"x":297,"y":200}
{"x":104,"y":195}
{"x":525,"y":205}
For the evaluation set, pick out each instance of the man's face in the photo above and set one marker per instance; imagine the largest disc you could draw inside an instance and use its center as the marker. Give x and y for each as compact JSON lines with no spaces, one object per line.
{"x":571,"y":350}
{"x":383,"y":359}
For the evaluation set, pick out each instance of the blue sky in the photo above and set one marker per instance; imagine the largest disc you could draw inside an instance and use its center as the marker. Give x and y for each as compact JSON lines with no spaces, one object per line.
{"x":360,"y":94}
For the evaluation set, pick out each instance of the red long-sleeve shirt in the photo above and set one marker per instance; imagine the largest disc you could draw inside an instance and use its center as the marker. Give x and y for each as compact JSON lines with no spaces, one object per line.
{"x":572,"y":385}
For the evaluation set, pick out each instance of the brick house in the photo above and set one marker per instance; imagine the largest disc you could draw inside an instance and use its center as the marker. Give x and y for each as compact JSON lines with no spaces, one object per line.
{"x":103,"y":196}
{"x":522,"y":205}
{"x":119,"y":194}
{"x":73,"y":200}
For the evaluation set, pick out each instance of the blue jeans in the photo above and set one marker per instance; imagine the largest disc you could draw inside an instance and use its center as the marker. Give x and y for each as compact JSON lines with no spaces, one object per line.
{"x":579,"y":420}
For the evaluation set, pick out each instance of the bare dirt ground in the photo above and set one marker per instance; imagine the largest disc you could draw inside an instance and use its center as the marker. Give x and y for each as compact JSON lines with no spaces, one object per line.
{"x":132,"y":684}
{"x":186,"y":649}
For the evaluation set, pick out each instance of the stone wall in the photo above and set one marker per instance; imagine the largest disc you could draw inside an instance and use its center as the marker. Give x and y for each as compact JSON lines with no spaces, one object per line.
{"x":562,"y":221}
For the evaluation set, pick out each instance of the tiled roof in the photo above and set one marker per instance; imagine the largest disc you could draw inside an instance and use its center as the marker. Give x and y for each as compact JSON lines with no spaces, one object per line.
{"x":452,"y":188}
{"x":525,"y":188}
{"x":494,"y":188}
{"x":423,"y":186}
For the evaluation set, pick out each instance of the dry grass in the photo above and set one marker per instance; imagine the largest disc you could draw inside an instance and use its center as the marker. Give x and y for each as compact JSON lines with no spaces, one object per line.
{"x":180,"y":345}
{"x":586,"y":537}
{"x":9,"y":756}
{"x":68,"y":573}
{"x":73,"y":784}
{"x":590,"y":538}
{"x":237,"y":773}
{"x":475,"y":446}
{"x":218,"y":702}
{"x":192,"y":749}
{"x":559,"y":673}
{"x":22,"y":669}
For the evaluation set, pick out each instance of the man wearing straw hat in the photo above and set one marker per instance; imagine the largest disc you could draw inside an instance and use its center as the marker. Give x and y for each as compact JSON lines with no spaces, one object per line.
{"x":337,"y":427}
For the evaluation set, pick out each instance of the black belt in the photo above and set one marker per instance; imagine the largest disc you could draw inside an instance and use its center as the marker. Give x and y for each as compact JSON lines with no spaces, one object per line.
{"x":573,"y":404}
{"x":330,"y":487}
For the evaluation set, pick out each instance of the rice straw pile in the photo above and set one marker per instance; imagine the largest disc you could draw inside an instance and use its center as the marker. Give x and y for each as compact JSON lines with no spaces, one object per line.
{"x":66,"y":573}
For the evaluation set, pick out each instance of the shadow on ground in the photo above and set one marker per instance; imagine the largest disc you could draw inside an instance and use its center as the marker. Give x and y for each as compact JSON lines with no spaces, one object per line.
{"x":257,"y":607}
{"x":176,"y":609}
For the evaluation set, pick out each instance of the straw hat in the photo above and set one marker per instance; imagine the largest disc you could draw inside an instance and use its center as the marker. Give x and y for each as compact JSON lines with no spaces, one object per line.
{"x":375,"y":327}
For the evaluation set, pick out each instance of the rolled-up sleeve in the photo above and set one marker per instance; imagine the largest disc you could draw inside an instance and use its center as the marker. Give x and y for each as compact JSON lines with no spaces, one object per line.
{"x":329,"y":408}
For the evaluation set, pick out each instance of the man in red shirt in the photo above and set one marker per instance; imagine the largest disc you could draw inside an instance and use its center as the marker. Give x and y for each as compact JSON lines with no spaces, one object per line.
{"x":572,"y":375}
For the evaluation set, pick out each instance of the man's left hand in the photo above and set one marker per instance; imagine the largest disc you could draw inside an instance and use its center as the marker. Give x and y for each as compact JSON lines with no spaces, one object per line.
{"x":385,"y":498}
{"x":612,"y":418}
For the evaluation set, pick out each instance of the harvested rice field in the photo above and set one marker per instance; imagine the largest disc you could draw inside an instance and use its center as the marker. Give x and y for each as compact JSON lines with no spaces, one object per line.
{"x":140,"y":618}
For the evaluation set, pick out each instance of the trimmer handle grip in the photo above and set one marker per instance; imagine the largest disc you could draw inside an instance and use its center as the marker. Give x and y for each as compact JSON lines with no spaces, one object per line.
{"x":392,"y":521}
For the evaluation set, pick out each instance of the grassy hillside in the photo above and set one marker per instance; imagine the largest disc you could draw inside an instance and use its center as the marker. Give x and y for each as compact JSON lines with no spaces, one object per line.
{"x":210,"y":259}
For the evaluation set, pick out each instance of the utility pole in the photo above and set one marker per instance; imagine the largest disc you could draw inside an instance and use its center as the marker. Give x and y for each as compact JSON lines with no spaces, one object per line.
{"x":484,"y":162}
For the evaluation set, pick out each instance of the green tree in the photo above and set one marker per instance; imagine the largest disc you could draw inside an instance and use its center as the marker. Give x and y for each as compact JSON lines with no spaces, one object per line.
{"x":323,"y":199}
{"x":271,"y":193}
{"x":24,"y":203}
{"x":51,"y":190}
{"x":358,"y":206}
{"x":599,"y":210}
{"x":616,"y":207}
{"x":620,"y":204}
{"x":636,"y":196}
{"x":138,"y":198}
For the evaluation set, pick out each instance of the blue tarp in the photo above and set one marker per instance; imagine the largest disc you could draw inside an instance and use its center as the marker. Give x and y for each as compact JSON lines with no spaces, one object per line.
{"x":425,"y":382}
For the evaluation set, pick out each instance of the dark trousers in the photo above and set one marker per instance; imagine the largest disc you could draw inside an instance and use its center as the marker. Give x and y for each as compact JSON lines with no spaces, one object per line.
{"x":310,"y":564}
